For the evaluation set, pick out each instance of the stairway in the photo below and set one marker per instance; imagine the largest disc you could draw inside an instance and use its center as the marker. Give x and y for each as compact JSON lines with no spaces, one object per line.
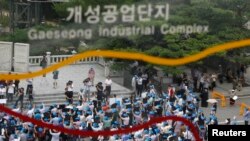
{"x":57,"y":98}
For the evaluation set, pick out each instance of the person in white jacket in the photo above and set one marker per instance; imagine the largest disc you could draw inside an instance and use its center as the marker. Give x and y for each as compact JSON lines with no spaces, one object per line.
{"x":55,"y":135}
{"x":133,"y":83}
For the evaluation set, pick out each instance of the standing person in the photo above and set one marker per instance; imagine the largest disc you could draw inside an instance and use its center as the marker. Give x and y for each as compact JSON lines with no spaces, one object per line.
{"x":213,"y":84}
{"x":16,"y":82}
{"x":144,"y":80}
{"x":10,"y":91}
{"x":221,"y":75}
{"x":91,"y":75}
{"x":86,"y":89}
{"x":108,"y":83}
{"x":134,"y":83}
{"x":29,"y":84}
{"x":30,"y":96}
{"x":55,"y":77}
{"x":20,"y":97}
{"x":204,"y":97}
{"x":139,"y":86}
{"x":69,"y":92}
{"x":240,"y":83}
{"x":99,"y":89}
{"x":247,"y":116}
{"x":234,"y":82}
{"x":202,"y":80}
{"x":195,"y":79}
{"x":171,"y":91}
{"x":44,"y":63}
{"x":233,"y":97}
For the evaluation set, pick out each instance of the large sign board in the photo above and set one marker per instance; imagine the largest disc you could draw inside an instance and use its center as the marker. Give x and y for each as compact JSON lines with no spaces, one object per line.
{"x":5,"y":56}
{"x":21,"y":57}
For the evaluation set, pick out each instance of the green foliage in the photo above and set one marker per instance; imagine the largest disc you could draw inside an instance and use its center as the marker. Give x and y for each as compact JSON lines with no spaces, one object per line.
{"x":172,"y":70}
{"x":224,"y":18}
{"x":20,"y":35}
{"x":4,"y":20}
{"x":61,"y":8}
{"x":4,"y":5}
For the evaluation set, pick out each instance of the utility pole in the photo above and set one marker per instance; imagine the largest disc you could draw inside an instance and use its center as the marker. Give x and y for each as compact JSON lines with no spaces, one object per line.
{"x":12,"y":30}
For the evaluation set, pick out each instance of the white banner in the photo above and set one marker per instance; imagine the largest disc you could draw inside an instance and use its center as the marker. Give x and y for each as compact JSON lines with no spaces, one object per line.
{"x":21,"y":57}
{"x":5,"y":56}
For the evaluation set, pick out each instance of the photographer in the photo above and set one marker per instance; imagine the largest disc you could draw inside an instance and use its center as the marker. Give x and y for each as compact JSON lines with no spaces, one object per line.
{"x":20,"y":97}
{"x":69,"y":92}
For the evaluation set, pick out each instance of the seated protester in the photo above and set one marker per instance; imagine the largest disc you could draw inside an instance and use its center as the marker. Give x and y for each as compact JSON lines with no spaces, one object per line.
{"x":151,"y":114}
{"x":146,"y":134}
{"x":100,"y":113}
{"x":115,"y":114}
{"x":138,"y":117}
{"x":14,"y":137}
{"x":46,"y":116}
{"x":144,"y":114}
{"x":83,"y":126}
{"x":89,"y":116}
{"x":127,"y":137}
{"x":153,"y":136}
{"x":23,"y":135}
{"x":37,"y":116}
{"x":54,"y":108}
{"x":16,"y":109}
{"x":97,"y":119}
{"x":76,"y":123}
{"x":115,"y":138}
{"x":55,"y":119}
{"x":81,"y":116}
{"x":68,"y":124}
{"x":96,"y":127}
{"x":125,"y":118}
{"x":55,"y":135}
{"x":31,"y":110}
{"x":107,"y":123}
{"x":105,"y":107}
{"x":136,"y":106}
{"x":40,"y":133}
{"x":31,"y":136}
{"x":67,"y":117}
{"x":138,"y":135}
{"x":149,"y":107}
{"x":159,"y":110}
{"x":188,"y":135}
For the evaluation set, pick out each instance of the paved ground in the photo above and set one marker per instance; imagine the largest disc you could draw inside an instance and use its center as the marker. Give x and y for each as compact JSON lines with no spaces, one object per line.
{"x":228,"y":111}
{"x":76,"y":73}
{"x":231,"y":111}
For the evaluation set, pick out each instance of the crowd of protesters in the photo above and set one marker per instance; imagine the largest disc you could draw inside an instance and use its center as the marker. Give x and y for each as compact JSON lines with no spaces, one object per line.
{"x":92,"y":111}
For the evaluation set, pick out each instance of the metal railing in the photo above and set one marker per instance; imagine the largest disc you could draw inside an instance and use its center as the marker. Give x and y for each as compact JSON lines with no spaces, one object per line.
{"x":54,"y":59}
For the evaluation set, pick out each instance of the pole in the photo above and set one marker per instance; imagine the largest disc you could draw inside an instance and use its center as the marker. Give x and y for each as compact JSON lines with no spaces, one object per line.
{"x":12,"y":29}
